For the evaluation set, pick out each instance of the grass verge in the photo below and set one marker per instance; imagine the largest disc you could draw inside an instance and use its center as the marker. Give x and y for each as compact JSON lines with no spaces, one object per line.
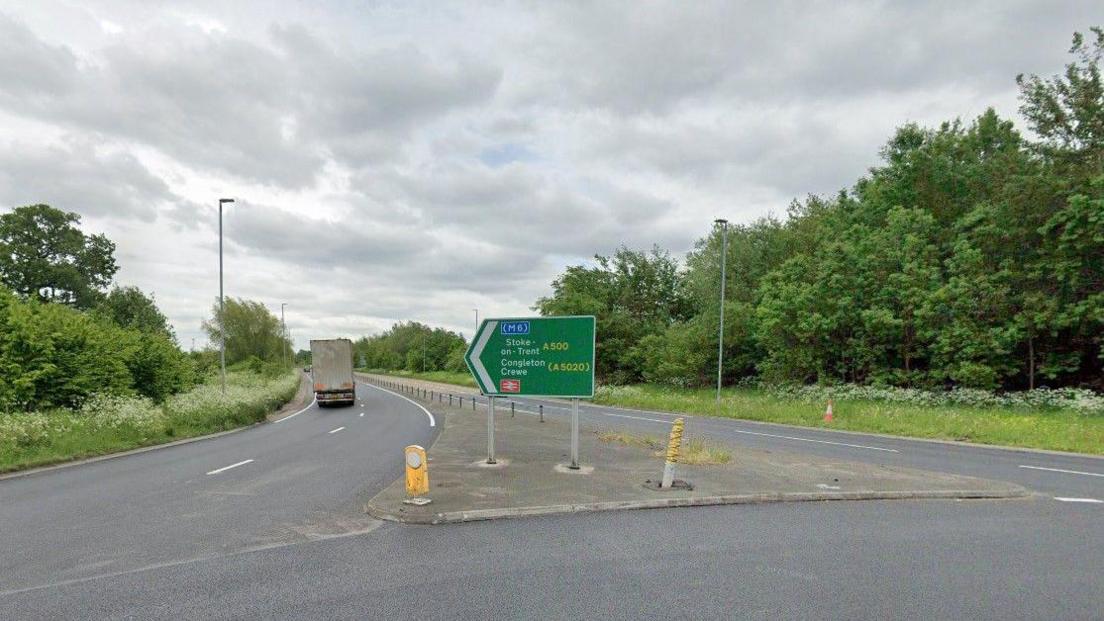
{"x":695,"y":451}
{"x":112,"y":424}
{"x":444,"y":377}
{"x":1052,"y":429}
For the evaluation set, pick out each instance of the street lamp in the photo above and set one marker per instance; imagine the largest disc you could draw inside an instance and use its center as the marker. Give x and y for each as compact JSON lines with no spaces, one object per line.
{"x":283,"y":330}
{"x":222,"y":312}
{"x":720,"y":326}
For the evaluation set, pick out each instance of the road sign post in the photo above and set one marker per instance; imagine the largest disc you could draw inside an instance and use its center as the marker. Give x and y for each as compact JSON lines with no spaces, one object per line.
{"x":490,"y":430}
{"x":574,"y":434}
{"x":534,"y":357}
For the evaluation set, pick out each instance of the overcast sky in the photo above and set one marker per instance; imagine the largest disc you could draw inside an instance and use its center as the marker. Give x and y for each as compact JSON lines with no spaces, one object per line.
{"x":406,"y":160}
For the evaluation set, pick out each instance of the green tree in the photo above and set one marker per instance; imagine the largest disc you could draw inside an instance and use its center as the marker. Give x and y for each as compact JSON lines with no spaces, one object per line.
{"x":411,"y":346}
{"x":1067,"y":111}
{"x":455,"y":361}
{"x":631,"y":293}
{"x":44,"y":253}
{"x":251,"y":331}
{"x":157,"y":367}
{"x":303,"y":357}
{"x":130,"y":308}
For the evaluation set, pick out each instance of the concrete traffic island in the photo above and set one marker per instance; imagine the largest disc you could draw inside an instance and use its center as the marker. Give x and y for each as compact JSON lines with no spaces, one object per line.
{"x":532,"y":477}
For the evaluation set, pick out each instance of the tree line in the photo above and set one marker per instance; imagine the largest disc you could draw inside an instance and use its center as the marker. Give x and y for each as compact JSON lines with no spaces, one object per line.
{"x":65,"y":335}
{"x":971,"y":256}
{"x":411,"y":346}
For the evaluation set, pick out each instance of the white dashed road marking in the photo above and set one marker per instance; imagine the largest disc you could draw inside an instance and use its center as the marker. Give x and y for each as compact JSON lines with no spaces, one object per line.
{"x":336,"y":430}
{"x":1088,"y":474}
{"x":224,"y":468}
{"x":1091,"y":501}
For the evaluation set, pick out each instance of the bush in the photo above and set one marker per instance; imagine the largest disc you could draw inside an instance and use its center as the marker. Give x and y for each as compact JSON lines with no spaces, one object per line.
{"x":248,"y":398}
{"x":114,"y":412}
{"x":29,"y":429}
{"x":157,"y":367}
{"x":455,"y":362}
{"x":1076,"y":399}
{"x":261,"y":368}
{"x":55,"y":356}
{"x":105,"y":423}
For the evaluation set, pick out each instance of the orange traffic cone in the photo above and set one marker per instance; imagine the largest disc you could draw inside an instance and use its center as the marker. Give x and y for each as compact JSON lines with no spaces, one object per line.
{"x":828,"y":412}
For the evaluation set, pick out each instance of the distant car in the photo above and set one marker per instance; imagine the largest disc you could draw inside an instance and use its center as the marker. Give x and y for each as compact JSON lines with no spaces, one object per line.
{"x":306,"y":369}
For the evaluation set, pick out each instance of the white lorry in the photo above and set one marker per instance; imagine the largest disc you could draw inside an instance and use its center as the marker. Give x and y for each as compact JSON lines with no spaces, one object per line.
{"x":332,"y":371}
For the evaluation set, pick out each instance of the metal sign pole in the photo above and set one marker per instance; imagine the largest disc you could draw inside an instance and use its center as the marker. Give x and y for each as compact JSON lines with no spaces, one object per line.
{"x":574,"y":434}
{"x":490,"y":430}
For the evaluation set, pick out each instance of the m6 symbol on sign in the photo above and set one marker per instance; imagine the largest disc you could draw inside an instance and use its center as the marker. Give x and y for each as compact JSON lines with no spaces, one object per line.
{"x":515,"y":327}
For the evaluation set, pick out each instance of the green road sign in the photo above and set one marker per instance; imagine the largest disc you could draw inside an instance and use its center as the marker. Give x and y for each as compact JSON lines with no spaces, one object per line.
{"x":534,"y":356}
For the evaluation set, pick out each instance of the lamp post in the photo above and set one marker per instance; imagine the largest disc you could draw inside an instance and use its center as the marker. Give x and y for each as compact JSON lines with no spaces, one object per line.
{"x":720,"y":325}
{"x":222,"y":312}
{"x":283,"y":335}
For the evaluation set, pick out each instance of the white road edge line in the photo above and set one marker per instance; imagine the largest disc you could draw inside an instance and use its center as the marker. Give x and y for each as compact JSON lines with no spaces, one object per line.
{"x":771,"y":435}
{"x":432,"y":421}
{"x":313,"y":401}
{"x":1088,"y":474}
{"x":225,"y":468}
{"x":654,"y":420}
{"x":1093,"y":501}
{"x":335,"y":430}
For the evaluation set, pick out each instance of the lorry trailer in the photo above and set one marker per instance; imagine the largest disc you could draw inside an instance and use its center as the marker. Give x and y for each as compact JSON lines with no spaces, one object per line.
{"x":332,"y":371}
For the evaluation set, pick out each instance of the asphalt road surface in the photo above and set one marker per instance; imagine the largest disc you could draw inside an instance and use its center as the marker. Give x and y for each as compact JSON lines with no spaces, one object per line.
{"x":1062,"y":475}
{"x":200,"y":531}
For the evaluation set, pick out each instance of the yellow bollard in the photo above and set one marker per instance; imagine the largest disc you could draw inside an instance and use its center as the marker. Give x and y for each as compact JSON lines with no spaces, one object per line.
{"x":674,"y":444}
{"x":417,"y":476}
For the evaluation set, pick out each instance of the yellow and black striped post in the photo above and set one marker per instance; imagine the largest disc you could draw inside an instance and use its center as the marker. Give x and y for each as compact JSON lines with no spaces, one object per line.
{"x":674,"y":444}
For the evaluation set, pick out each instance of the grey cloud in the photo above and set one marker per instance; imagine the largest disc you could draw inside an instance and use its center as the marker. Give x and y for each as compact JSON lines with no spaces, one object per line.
{"x":77,"y":176}
{"x":213,"y":102}
{"x":659,"y":56}
{"x":334,"y":245}
{"x":392,"y":255}
{"x":788,"y":150}
{"x":30,"y":68}
{"x":358,"y":104}
{"x":219,"y":103}
{"x":518,"y":205}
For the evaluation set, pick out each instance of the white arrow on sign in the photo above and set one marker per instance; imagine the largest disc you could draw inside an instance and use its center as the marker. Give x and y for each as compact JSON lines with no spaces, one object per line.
{"x":477,"y":350}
